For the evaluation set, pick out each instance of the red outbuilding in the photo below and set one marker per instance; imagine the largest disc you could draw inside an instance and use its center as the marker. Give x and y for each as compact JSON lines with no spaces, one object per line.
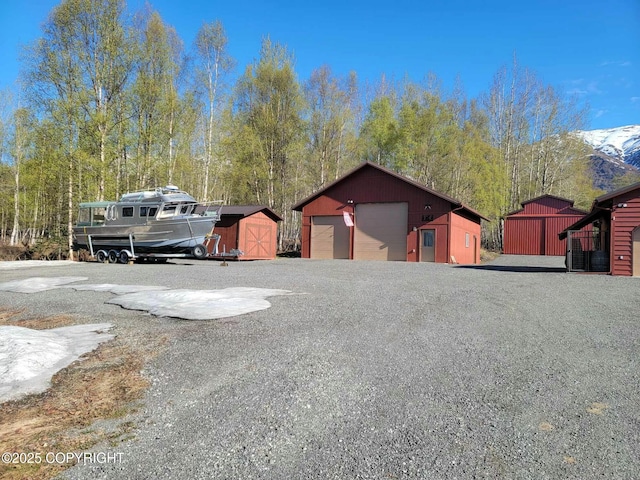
{"x":608,"y":238}
{"x":534,"y":229}
{"x":372,"y":213}
{"x":251,"y":229}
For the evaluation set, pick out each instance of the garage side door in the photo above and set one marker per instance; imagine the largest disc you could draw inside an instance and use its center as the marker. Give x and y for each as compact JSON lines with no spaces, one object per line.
{"x":380,"y":231}
{"x":329,"y":237}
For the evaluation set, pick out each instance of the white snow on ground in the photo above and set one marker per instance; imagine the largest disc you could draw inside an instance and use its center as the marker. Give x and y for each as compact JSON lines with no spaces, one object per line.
{"x":5,"y":265}
{"x":199,"y":304}
{"x":29,"y":358}
{"x":38,"y":284}
{"x":159,"y":301}
{"x":117,"y":289}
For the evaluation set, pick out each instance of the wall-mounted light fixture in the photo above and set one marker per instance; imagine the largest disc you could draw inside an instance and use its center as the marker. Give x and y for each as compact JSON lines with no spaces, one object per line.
{"x":622,"y":205}
{"x":427,"y":206}
{"x":350,"y":202}
{"x":415,"y":229}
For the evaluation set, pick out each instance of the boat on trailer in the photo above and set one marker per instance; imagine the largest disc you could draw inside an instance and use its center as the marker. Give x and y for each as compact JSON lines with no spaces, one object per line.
{"x":147,"y":225}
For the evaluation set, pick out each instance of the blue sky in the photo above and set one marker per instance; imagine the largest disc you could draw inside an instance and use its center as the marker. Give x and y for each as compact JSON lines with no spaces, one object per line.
{"x":588,"y":48}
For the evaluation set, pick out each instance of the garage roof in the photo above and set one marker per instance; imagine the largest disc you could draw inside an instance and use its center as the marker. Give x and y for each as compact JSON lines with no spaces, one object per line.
{"x":598,"y":209}
{"x":451,"y":200}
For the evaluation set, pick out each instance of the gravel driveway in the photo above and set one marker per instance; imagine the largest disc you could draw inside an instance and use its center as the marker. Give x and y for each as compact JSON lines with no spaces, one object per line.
{"x":510,"y":370}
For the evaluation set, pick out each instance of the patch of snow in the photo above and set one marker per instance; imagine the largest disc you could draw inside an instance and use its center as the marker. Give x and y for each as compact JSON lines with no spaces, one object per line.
{"x":199,"y":304}
{"x":5,"y":265}
{"x":29,"y":358}
{"x":38,"y":284}
{"x":117,"y":289}
{"x":619,"y":142}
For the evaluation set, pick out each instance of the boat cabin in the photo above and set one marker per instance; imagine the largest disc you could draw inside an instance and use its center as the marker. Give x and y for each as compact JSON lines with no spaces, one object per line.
{"x":139,"y":207}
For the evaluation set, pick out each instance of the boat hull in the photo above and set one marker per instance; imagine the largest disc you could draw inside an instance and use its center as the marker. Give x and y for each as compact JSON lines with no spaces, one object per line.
{"x":174,"y":236}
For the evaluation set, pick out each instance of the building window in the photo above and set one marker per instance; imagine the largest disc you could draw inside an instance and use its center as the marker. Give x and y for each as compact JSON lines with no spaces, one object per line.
{"x":127,"y":211}
{"x":466,"y":240}
{"x":427,"y":238}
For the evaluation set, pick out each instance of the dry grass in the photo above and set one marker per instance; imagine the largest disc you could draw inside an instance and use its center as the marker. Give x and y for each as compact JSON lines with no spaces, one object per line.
{"x":104,"y":385}
{"x":488,"y":255}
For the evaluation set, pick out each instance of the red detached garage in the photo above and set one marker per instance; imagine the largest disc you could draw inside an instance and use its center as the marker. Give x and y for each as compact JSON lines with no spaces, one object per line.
{"x":251,"y":229}
{"x":534,"y":229}
{"x":372,"y":213}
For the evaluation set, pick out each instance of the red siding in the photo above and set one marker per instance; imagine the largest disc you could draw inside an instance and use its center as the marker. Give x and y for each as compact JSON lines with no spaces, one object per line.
{"x":624,"y":220}
{"x":371,"y":185}
{"x":524,"y":236}
{"x":553,"y":226}
{"x":546,"y":205}
{"x":227,"y":228}
{"x":534,"y":229}
{"x":461,"y":227}
{"x":255,"y":235}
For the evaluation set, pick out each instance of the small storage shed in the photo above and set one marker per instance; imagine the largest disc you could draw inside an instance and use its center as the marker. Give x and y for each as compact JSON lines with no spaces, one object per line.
{"x":372,"y":213}
{"x":608,"y":238}
{"x":534,"y":229}
{"x":250,"y":228}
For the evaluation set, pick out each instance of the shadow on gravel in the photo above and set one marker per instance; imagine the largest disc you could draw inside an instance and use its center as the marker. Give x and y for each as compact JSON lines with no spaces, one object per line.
{"x":515,"y":269}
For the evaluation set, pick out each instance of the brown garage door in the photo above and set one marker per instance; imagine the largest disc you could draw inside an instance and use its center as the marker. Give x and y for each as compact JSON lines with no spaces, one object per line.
{"x":329,"y":237}
{"x":381,"y":231}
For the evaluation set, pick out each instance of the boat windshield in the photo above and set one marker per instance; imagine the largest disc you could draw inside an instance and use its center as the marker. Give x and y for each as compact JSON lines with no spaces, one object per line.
{"x":89,"y":216}
{"x":173,"y":209}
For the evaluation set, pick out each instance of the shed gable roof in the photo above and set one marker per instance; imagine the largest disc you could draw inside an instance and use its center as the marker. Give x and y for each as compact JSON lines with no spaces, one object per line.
{"x":563,"y":206}
{"x":548,"y":195}
{"x":393,"y":174}
{"x":248,"y":210}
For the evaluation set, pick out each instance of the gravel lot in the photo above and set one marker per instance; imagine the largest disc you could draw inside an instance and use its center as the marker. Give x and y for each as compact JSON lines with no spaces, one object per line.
{"x":510,"y":370}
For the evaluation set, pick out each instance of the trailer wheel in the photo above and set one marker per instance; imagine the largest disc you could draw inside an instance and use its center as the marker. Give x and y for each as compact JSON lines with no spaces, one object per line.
{"x":199,"y":251}
{"x":123,"y":257}
{"x":101,"y":256}
{"x":113,"y":256}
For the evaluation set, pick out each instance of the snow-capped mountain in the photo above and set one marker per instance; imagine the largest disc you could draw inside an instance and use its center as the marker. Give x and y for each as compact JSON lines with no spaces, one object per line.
{"x":622,"y":143}
{"x":616,"y":153}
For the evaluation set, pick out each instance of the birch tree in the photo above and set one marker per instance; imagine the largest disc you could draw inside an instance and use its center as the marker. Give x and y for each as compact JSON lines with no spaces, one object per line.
{"x":269,"y":130}
{"x":155,"y":100}
{"x":330,"y":125}
{"x":54,"y":80}
{"x":212,"y":69}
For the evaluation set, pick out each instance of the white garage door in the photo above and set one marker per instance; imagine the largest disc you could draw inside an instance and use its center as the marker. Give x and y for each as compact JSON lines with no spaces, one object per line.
{"x":329,"y":237}
{"x":381,"y":231}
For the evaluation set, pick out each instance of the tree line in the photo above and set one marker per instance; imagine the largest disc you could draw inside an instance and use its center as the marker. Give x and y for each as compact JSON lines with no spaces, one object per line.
{"x":112,"y":102}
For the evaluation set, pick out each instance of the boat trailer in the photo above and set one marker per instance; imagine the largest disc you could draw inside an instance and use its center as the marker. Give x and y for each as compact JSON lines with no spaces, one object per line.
{"x":127,"y":255}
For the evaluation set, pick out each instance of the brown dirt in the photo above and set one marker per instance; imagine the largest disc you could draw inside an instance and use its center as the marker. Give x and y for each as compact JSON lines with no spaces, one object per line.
{"x":105,"y":384}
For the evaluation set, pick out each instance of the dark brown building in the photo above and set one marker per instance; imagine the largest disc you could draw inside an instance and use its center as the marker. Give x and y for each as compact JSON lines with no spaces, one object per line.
{"x":251,"y":229}
{"x":608,"y":238}
{"x":372,"y":213}
{"x":534,"y":229}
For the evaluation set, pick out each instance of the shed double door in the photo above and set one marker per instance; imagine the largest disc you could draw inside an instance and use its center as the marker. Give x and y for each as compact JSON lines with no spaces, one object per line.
{"x":381,"y":231}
